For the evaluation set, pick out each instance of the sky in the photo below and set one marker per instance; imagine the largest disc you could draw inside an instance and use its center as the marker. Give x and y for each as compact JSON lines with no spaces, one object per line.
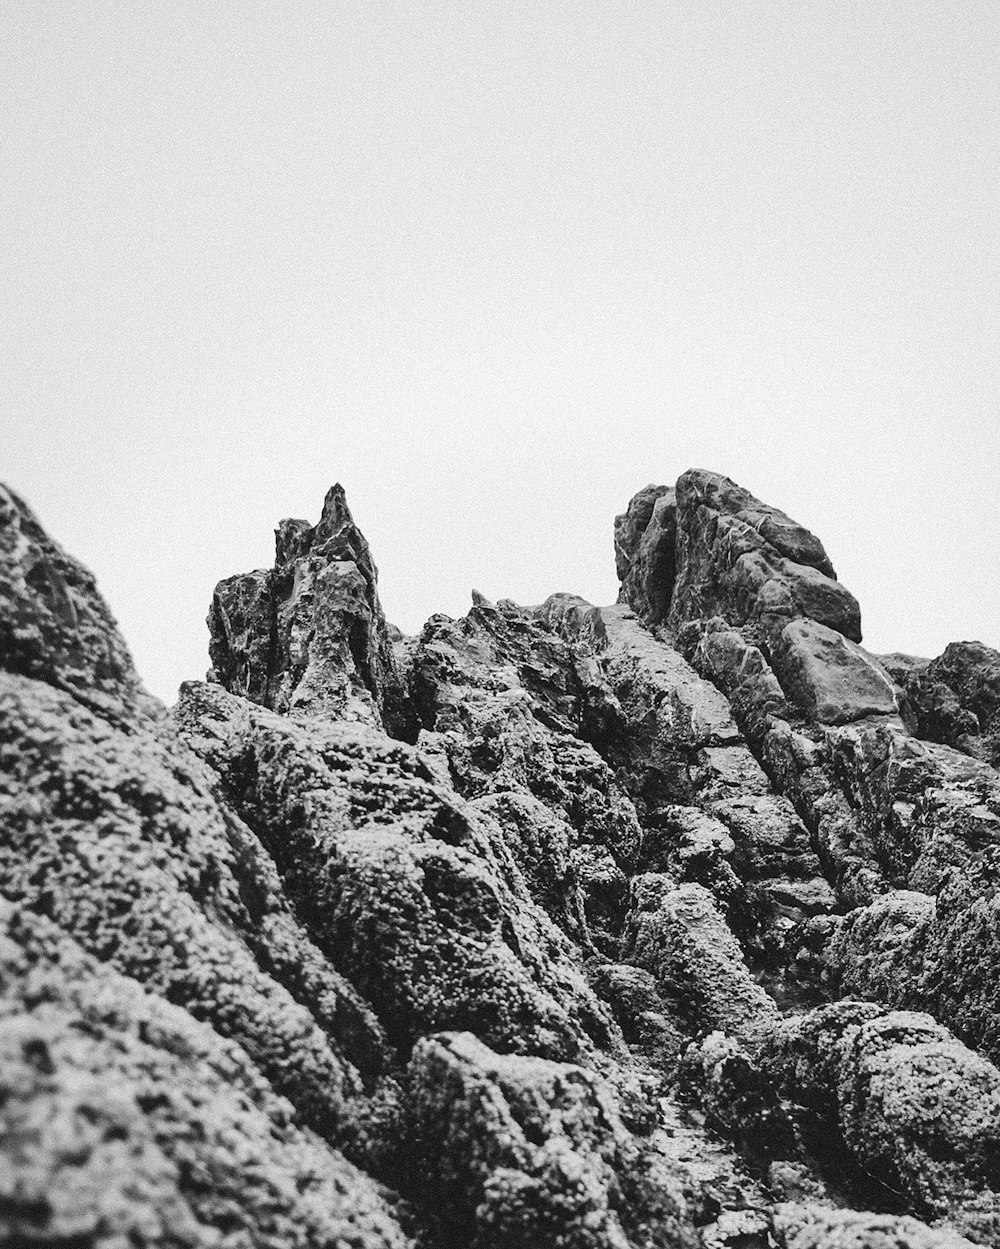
{"x":495,"y":267}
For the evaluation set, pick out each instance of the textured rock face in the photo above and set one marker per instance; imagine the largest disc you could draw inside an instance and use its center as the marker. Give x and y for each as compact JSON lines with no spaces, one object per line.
{"x":956,"y":698}
{"x":646,"y":552}
{"x":53,"y":623}
{"x":310,"y":633}
{"x":526,"y":1151}
{"x":662,"y":924}
{"x":738,"y":558}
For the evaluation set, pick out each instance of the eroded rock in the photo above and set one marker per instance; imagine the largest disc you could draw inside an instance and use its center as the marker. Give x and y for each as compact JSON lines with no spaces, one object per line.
{"x":915,"y":1109}
{"x":668,"y":922}
{"x":956,"y":698}
{"x":831,"y":678}
{"x":735,"y":557}
{"x":310,"y":635}
{"x":529,"y":1152}
{"x":54,"y":625}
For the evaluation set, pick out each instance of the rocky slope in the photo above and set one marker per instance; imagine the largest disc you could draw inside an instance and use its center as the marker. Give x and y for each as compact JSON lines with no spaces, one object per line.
{"x":669,"y":923}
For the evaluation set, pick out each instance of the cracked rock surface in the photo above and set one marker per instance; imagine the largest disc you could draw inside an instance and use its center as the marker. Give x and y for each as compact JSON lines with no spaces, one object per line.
{"x":669,"y":923}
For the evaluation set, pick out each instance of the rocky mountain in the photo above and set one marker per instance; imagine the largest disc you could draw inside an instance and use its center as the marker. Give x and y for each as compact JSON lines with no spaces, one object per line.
{"x":670,"y":923}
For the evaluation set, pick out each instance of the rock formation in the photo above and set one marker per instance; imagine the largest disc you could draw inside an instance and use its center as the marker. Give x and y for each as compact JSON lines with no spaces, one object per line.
{"x":670,"y":923}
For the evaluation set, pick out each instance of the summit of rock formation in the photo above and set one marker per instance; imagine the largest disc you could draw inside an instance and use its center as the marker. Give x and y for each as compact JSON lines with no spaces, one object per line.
{"x":309,"y":634}
{"x":667,"y":923}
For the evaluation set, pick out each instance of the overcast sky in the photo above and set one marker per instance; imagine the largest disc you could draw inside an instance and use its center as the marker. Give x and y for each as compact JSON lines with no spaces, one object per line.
{"x":495,"y":266}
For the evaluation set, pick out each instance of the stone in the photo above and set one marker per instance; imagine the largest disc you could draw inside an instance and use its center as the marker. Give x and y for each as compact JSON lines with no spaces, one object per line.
{"x":739,"y":1099}
{"x":956,"y":699}
{"x":645,"y":542}
{"x":829,"y":677}
{"x":915,"y":1109}
{"x":798,"y":1225}
{"x":677,"y":934}
{"x":397,"y":882}
{"x":116,"y":835}
{"x":938,"y":953}
{"x":124,"y":1120}
{"x":54,"y":625}
{"x":310,"y":634}
{"x":662,"y":923}
{"x":749,"y":563}
{"x":529,"y":1152}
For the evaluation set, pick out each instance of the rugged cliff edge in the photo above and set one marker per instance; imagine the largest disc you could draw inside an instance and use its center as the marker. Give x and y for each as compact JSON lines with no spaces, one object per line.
{"x":669,"y":923}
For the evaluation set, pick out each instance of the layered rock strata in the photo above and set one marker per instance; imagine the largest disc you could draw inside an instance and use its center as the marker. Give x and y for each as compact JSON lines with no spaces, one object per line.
{"x":661,"y":924}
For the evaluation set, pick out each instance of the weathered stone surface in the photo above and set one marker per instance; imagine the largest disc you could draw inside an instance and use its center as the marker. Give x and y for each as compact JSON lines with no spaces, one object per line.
{"x":545,"y":927}
{"x":645,"y":541}
{"x":829,"y":677}
{"x":54,"y":625}
{"x":310,"y":634}
{"x":124,"y":1121}
{"x":529,"y":1152}
{"x":934,"y":953}
{"x":739,"y":558}
{"x":502,"y":699}
{"x":649,"y":1024}
{"x":671,"y":737}
{"x":116,"y":836}
{"x":801,"y":1226}
{"x":397,"y":882}
{"x":956,"y":698}
{"x":740,"y":1101}
{"x":677,"y":933}
{"x":914,"y":1108}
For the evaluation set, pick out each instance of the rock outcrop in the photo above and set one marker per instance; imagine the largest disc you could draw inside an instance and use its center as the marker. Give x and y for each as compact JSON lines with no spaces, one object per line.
{"x":668,"y":923}
{"x":310,"y":633}
{"x":956,"y":699}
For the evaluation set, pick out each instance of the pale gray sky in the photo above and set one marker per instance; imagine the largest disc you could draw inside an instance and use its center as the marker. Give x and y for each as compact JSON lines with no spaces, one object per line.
{"x":495,"y":266}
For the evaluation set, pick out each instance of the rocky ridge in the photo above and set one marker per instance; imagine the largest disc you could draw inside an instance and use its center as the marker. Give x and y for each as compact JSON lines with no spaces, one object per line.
{"x":673,"y":922}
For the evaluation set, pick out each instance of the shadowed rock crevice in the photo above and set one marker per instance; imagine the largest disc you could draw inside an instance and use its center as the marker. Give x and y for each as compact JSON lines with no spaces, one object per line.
{"x":667,"y":923}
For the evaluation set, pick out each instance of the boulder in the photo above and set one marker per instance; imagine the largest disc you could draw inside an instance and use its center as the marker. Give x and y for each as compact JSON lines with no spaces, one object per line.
{"x":914,"y":1108}
{"x":797,"y":1225}
{"x":829,"y":677}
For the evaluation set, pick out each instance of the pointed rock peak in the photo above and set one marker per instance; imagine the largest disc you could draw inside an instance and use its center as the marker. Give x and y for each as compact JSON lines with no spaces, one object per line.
{"x":335,"y":537}
{"x":310,"y":635}
{"x":480,"y":600}
{"x":336,"y":514}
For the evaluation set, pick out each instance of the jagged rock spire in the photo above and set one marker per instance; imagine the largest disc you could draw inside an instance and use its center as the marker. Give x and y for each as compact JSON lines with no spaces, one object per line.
{"x":310,"y":635}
